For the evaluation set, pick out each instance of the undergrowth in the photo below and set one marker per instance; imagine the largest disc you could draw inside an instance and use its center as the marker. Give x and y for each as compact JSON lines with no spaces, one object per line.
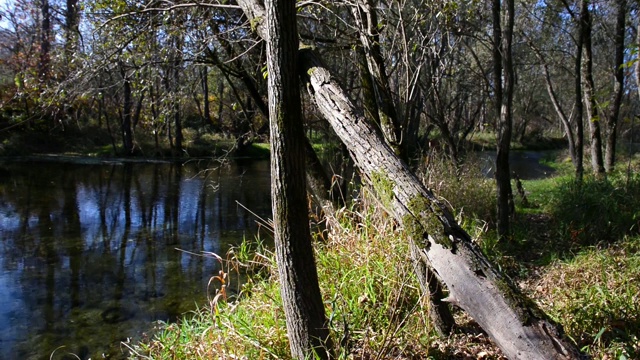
{"x":574,"y":249}
{"x":373,"y":303}
{"x":595,"y":297}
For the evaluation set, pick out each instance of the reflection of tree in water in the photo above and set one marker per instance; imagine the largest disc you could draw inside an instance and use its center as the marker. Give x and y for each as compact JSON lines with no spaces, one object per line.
{"x":93,"y":247}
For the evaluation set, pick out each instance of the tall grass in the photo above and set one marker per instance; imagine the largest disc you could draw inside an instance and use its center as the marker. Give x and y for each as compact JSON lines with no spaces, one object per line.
{"x":595,"y":297}
{"x":373,"y":302}
{"x":596,"y":210}
{"x":470,"y":194}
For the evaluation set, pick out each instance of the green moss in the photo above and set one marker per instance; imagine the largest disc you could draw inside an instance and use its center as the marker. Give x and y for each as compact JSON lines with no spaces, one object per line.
{"x":311,"y":70}
{"x":255,"y":22}
{"x":422,"y":220}
{"x":383,"y":187}
{"x":527,"y":310}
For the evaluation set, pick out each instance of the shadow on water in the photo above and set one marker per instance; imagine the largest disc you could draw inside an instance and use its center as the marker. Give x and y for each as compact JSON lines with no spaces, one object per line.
{"x":88,"y":251}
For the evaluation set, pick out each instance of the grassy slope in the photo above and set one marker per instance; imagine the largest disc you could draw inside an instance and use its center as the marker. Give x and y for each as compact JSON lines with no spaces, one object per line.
{"x":575,"y":250}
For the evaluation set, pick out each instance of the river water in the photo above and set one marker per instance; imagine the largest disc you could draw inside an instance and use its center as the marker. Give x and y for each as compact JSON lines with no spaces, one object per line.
{"x":88,"y":252}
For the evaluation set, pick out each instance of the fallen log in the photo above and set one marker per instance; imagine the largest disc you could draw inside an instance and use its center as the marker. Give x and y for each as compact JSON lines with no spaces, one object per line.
{"x":511,"y":319}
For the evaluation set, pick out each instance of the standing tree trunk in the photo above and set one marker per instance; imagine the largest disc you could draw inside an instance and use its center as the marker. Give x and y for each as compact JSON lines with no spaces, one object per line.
{"x":177,"y":116}
{"x":218,"y":122}
{"x":579,"y":107}
{"x":618,"y":88}
{"x":125,"y":122}
{"x":71,"y":30}
{"x":566,"y":121}
{"x":588,"y":88}
{"x":45,"y":43}
{"x":503,"y":71}
{"x":637,"y":69}
{"x":206,"y":115}
{"x":301,"y":297}
{"x":364,"y":13}
{"x":516,"y":324}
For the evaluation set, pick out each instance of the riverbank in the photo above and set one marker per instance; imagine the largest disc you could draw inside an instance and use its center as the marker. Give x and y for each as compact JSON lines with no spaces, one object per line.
{"x":96,"y":142}
{"x":575,"y":250}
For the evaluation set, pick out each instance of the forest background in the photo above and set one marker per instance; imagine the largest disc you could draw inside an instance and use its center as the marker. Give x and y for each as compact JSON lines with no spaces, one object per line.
{"x":179,"y":79}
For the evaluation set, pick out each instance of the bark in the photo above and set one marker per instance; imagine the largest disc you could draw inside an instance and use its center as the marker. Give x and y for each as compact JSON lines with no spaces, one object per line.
{"x":322,"y":192}
{"x":516,"y":324}
{"x":369,"y":104}
{"x":177,"y":116}
{"x":45,"y":42}
{"x":503,"y":70}
{"x":206,"y":115}
{"x":579,"y":108}
{"x":588,"y":87}
{"x":72,"y":21}
{"x":618,"y":88}
{"x":136,"y":114}
{"x":302,"y":301}
{"x":218,"y":123}
{"x":637,"y":69}
{"x":125,"y":123}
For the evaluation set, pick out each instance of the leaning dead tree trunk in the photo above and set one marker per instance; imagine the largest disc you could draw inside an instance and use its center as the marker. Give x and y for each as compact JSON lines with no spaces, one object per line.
{"x":512,"y":320}
{"x":516,"y":324}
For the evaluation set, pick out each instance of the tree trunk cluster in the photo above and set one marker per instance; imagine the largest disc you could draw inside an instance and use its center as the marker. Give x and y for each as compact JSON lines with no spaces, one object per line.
{"x":516,"y":324}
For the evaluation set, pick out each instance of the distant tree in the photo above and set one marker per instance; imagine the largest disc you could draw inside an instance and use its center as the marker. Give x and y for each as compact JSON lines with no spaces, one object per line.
{"x":44,"y":65}
{"x":588,"y":89}
{"x":611,"y":124}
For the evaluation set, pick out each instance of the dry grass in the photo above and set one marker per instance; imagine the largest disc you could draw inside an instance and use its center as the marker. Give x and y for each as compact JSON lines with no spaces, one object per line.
{"x":374,"y":305}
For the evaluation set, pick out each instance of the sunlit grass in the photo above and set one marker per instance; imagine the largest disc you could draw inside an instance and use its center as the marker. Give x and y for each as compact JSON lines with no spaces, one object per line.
{"x":595,"y":296}
{"x":372,"y":299}
{"x":587,"y":282}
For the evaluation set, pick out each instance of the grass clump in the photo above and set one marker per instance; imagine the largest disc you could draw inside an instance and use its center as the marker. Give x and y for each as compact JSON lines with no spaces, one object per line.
{"x":595,"y":297}
{"x":247,"y":323}
{"x":470,"y":194}
{"x":373,"y":303}
{"x":596,"y":210}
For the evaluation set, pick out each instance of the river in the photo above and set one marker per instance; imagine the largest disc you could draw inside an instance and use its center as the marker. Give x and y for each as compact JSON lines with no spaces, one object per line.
{"x":89,"y":251}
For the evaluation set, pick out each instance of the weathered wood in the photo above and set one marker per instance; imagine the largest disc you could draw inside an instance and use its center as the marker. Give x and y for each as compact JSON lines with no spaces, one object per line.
{"x":516,"y":324}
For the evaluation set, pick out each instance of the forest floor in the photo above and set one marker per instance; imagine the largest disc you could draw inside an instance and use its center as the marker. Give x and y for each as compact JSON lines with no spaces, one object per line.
{"x":574,"y":249}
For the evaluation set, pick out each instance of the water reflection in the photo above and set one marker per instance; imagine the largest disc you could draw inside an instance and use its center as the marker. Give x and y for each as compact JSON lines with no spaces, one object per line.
{"x":87,"y":252}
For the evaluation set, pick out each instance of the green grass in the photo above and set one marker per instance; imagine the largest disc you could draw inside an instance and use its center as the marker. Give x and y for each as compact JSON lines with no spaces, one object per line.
{"x":587,"y":280}
{"x":372,"y":299}
{"x":595,"y":297}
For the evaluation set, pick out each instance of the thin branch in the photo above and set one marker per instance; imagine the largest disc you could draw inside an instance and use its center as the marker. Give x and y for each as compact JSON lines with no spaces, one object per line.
{"x":170,"y":8}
